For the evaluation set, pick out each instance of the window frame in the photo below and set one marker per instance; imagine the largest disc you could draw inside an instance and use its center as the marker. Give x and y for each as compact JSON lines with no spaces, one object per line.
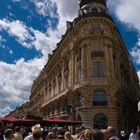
{"x":101,"y":98}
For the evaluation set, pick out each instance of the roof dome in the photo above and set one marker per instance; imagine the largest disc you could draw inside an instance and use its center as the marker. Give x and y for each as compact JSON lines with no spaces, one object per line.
{"x":85,"y":2}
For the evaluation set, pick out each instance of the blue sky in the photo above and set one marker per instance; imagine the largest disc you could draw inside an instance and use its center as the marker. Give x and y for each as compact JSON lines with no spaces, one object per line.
{"x":30,"y":29}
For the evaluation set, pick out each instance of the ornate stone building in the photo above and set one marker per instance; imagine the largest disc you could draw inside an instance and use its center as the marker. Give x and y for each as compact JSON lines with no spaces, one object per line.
{"x":89,"y":76}
{"x":21,"y":111}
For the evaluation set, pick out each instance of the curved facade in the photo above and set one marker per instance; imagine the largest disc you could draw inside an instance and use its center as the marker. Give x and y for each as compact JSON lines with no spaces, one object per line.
{"x":89,"y":76}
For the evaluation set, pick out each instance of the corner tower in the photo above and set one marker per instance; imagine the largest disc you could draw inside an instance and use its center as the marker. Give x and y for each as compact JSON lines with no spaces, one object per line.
{"x":103,"y":53}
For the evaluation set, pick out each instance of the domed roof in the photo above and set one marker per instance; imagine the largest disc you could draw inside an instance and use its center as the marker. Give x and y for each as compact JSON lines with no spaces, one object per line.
{"x":84,"y":2}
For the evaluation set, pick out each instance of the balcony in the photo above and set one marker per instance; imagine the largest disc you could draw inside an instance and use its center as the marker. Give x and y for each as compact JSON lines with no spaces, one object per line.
{"x":56,"y":96}
{"x":91,"y":81}
{"x":97,"y":54}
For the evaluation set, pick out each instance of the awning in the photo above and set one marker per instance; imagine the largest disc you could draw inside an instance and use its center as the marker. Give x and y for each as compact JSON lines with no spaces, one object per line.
{"x":17,"y":121}
{"x":61,"y":121}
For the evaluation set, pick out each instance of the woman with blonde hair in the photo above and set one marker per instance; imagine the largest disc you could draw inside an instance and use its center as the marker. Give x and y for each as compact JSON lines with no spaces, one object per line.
{"x":68,"y":136}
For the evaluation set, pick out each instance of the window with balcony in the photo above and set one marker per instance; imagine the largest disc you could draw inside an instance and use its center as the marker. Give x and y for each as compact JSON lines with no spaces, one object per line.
{"x":98,"y":70}
{"x":97,"y":54}
{"x":80,"y":100}
{"x":65,"y":81}
{"x":98,"y":50}
{"x":80,"y":72}
{"x":59,"y":74}
{"x":66,"y":65}
{"x":99,"y":98}
{"x":96,"y":27}
{"x":78,"y":54}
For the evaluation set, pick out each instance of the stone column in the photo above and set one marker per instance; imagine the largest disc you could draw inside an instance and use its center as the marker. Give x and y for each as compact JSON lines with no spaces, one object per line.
{"x":84,"y":61}
{"x":88,"y":61}
{"x":111,"y":61}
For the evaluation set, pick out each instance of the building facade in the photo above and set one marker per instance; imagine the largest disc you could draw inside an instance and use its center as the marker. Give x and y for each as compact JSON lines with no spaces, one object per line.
{"x":89,"y":76}
{"x":21,"y":111}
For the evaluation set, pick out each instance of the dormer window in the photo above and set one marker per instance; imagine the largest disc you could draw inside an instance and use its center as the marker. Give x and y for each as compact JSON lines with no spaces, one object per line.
{"x":94,"y":10}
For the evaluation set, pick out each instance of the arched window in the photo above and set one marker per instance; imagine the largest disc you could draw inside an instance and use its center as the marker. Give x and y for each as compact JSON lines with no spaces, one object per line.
{"x":99,"y":98}
{"x":100,"y":121}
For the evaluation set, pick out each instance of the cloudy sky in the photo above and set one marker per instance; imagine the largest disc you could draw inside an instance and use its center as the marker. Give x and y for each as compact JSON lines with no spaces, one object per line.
{"x":30,"y":29}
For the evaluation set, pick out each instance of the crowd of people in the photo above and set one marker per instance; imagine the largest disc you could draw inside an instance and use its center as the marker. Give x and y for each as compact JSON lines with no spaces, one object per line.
{"x":63,"y":133}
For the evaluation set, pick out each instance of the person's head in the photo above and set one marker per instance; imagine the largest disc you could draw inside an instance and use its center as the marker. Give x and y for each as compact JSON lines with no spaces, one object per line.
{"x":68,"y":136}
{"x":104,"y":131}
{"x":111,"y":131}
{"x":134,"y":131}
{"x":82,"y":128}
{"x":8,"y":133}
{"x":98,"y":135}
{"x":78,"y":130}
{"x":54,"y":130}
{"x":87,"y":134}
{"x":50,"y":136}
{"x":17,"y":129}
{"x":123,"y":133}
{"x":37,"y":131}
{"x":66,"y":128}
{"x":61,"y":131}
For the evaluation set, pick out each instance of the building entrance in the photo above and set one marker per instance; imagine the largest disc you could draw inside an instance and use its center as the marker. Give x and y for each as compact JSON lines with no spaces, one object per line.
{"x":100,"y":121}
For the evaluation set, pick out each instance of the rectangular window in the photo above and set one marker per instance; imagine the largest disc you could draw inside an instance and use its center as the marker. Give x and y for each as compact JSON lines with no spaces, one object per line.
{"x":98,"y":50}
{"x":97,"y":54}
{"x":66,"y":65}
{"x":78,"y":53}
{"x":65,"y":81}
{"x":98,"y":70}
{"x":80,"y":73}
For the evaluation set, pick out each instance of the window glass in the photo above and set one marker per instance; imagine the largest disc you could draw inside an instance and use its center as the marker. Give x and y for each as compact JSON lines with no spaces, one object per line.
{"x":98,"y":70}
{"x":100,"y":121}
{"x":99,"y":98}
{"x":78,"y":53}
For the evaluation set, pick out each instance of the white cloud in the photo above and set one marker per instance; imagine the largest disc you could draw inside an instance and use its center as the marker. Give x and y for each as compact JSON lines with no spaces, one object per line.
{"x":18,"y":30}
{"x":2,"y":40}
{"x":29,"y":37}
{"x":41,"y":7}
{"x":126,"y":11}
{"x":135,"y":52}
{"x":16,"y":0}
{"x":67,"y":10}
{"x":16,"y":80}
{"x":10,"y":51}
{"x":45,"y":7}
{"x":5,"y":111}
{"x":0,"y":37}
{"x":44,"y":43}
